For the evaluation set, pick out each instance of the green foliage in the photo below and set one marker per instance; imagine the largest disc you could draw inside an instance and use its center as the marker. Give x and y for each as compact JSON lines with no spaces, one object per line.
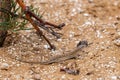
{"x":16,"y":20}
{"x":36,"y":11}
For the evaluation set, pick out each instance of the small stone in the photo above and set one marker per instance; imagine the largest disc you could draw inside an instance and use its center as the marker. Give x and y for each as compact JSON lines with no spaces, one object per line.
{"x":86,"y":14}
{"x":46,"y":46}
{"x":98,"y":34}
{"x":87,"y":23}
{"x":90,"y":1}
{"x":37,"y":77}
{"x":4,"y":66}
{"x":117,"y":42}
{"x":59,"y":40}
{"x":63,"y":77}
{"x":17,"y":65}
{"x":113,"y":77}
{"x":36,"y":48}
{"x":71,"y":34}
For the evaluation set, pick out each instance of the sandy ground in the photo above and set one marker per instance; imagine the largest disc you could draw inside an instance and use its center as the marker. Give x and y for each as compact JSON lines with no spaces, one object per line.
{"x":96,"y":21}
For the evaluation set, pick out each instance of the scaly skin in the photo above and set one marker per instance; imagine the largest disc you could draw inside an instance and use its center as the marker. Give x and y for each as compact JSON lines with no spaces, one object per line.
{"x":59,"y":58}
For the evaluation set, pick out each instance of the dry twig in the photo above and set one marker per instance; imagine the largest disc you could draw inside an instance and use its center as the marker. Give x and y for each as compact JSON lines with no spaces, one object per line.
{"x":30,"y":15}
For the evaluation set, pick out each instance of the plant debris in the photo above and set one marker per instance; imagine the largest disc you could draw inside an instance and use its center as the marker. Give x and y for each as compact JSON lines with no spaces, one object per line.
{"x":70,"y":71}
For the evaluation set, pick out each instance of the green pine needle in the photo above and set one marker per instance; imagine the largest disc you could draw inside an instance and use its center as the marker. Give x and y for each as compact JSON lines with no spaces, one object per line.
{"x":16,"y":23}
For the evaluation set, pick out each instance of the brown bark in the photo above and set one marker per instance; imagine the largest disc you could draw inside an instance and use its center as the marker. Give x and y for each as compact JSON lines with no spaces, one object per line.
{"x":4,"y":17}
{"x":3,"y":35}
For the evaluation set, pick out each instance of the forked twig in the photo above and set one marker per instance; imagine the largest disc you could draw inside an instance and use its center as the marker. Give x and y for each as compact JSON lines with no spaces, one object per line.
{"x":38,"y":23}
{"x":29,"y":15}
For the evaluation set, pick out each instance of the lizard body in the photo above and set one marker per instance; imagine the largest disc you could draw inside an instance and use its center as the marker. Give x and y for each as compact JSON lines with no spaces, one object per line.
{"x":59,"y":58}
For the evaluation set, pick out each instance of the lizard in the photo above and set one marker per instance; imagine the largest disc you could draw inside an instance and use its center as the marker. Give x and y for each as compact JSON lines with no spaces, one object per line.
{"x":59,"y":58}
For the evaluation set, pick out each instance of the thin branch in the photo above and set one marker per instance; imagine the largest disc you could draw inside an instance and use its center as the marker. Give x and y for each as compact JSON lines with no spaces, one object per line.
{"x":44,"y":22}
{"x":28,"y":15}
{"x":11,"y":13}
{"x":48,"y":29}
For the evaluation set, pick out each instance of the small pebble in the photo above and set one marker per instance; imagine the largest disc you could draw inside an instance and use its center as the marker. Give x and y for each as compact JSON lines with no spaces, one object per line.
{"x":113,"y":77}
{"x":117,"y":42}
{"x":86,"y":14}
{"x":4,"y":66}
{"x":0,"y":76}
{"x":59,"y":40}
{"x":36,"y":77}
{"x":46,"y":46}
